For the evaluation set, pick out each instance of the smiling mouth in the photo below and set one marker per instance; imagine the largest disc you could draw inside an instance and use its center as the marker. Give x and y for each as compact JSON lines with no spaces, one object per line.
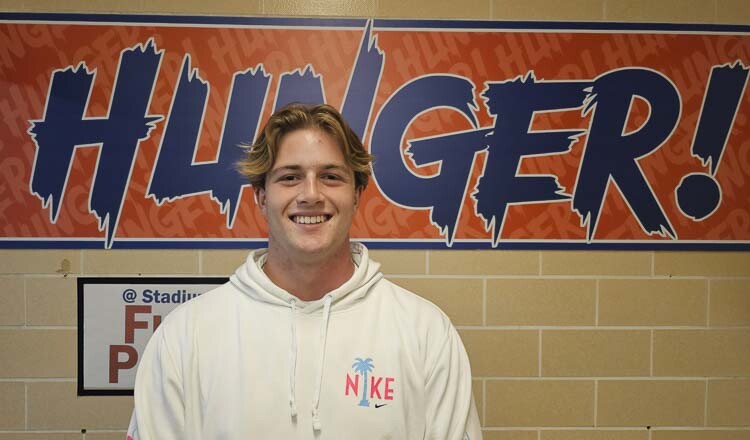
{"x":310,"y":219}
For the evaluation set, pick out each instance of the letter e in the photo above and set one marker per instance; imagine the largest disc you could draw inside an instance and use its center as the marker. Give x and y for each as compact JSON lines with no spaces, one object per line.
{"x":388,"y":388}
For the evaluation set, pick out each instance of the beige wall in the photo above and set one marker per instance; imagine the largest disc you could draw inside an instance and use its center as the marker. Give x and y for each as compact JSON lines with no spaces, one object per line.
{"x":564,"y":345}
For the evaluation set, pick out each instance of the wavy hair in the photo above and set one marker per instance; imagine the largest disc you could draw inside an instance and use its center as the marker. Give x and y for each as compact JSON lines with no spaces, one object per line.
{"x":261,"y":155}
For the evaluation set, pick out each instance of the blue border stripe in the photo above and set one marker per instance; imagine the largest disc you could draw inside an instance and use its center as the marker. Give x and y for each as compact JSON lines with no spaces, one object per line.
{"x":558,"y":25}
{"x":656,"y":245}
{"x":50,"y":244}
{"x":378,"y":22}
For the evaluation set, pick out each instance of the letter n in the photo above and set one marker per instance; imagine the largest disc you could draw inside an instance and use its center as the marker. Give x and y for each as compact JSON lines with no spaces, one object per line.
{"x":352,"y":384}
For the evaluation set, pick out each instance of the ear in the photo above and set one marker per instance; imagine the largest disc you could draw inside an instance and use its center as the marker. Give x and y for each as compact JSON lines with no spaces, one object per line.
{"x":260,"y":199}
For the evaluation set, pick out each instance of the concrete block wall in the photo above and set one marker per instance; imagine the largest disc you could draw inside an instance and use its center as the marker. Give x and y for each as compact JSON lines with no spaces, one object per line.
{"x":564,"y":345}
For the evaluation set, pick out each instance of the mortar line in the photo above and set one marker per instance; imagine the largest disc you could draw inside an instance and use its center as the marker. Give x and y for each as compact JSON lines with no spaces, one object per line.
{"x":525,"y":428}
{"x":705,"y":405}
{"x":63,"y":431}
{"x":37,"y":327}
{"x":651,"y":355}
{"x":484,"y":301}
{"x":708,"y":304}
{"x":596,"y":403}
{"x":539,"y":354}
{"x":25,"y":304}
{"x":589,"y":429}
{"x":556,"y":378}
{"x":484,"y":401}
{"x":509,"y":276}
{"x":742,"y":428}
{"x":37,"y":379}
{"x":596,"y":303}
{"x":653,"y":264}
{"x":588,"y":327}
{"x":540,"y":263}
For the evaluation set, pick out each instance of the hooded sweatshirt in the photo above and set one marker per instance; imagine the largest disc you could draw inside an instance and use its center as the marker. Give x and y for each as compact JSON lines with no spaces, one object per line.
{"x":248,"y":360}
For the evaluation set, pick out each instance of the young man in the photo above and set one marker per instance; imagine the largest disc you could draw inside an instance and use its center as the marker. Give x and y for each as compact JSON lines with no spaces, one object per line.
{"x":307,"y":340}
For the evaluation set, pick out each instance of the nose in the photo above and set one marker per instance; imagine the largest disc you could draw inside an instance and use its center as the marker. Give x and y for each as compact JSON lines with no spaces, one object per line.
{"x":310,"y":191}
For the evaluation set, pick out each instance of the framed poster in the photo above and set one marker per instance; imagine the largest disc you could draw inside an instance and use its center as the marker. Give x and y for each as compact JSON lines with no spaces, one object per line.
{"x":116,"y":318}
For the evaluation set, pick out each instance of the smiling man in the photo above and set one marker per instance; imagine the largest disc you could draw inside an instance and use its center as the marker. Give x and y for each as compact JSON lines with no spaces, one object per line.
{"x":307,"y":340}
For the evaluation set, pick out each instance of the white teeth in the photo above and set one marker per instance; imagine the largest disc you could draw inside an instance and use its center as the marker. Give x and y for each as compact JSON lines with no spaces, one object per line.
{"x":309,"y":220}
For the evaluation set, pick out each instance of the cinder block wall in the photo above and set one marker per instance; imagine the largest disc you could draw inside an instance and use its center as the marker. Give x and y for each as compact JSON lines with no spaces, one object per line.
{"x":564,"y":345}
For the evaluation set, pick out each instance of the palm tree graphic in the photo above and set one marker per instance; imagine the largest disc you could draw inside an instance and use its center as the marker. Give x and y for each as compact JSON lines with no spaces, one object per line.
{"x":363,"y":367}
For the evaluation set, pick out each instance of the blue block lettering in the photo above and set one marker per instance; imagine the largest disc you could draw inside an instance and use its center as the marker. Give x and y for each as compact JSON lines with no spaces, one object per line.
{"x":175,"y":174}
{"x":611,"y":154}
{"x":443,"y":193}
{"x":513,"y":103}
{"x":64,"y":128}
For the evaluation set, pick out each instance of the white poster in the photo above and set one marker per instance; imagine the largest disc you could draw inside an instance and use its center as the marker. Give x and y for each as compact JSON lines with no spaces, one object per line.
{"x":116,"y":318}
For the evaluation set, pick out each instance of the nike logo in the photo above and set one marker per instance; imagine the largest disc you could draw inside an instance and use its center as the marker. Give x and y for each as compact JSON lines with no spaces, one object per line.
{"x":381,"y":405}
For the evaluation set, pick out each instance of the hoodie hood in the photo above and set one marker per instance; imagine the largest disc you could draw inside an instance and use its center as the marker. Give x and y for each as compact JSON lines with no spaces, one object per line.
{"x":253,"y":282}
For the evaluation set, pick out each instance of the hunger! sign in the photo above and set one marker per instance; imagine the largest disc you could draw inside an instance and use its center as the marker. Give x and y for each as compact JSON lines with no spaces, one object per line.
{"x":123,"y":131}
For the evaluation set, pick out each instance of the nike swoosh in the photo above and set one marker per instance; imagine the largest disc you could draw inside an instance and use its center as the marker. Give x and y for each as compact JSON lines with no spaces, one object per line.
{"x":380,"y":406}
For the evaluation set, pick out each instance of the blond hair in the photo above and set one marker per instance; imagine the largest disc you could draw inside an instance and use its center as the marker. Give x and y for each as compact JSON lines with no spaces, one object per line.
{"x":261,"y":155}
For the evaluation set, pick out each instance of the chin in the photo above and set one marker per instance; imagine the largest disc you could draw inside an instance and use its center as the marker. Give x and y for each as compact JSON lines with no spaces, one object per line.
{"x":319,"y":250}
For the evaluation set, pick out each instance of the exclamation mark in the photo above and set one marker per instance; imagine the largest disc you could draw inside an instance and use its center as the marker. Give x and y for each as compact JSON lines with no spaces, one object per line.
{"x":699,"y":194}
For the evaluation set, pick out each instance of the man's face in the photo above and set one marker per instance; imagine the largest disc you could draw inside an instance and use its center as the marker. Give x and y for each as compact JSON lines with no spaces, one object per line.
{"x":309,"y":200}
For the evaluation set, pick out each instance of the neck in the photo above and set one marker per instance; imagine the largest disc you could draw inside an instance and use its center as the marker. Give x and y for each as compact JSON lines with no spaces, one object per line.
{"x":309,"y":280}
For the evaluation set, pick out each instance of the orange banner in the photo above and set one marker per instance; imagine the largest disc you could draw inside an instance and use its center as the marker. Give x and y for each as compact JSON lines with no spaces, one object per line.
{"x":122,"y":131}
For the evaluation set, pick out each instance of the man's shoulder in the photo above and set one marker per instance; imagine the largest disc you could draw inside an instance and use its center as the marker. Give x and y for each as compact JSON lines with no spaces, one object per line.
{"x":212,"y":303}
{"x":427,"y":327}
{"x":415,"y":307}
{"x":205,"y":317}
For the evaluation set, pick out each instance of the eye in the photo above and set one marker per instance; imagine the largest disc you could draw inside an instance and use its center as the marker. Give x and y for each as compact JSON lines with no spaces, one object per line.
{"x":288,"y":178}
{"x":334,"y":179}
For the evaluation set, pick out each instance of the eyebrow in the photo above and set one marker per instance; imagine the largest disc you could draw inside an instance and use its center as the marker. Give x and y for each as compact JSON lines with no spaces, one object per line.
{"x":326,"y":167}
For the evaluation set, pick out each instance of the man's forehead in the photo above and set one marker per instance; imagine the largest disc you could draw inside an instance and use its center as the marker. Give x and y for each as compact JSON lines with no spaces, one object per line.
{"x":310,"y":148}
{"x":315,"y":135}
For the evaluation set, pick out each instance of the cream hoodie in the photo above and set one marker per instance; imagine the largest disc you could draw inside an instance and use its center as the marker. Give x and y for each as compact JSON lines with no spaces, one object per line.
{"x":248,"y":360}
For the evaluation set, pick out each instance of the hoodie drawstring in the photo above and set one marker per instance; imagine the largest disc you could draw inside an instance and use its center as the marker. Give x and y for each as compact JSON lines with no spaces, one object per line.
{"x":323,"y":336}
{"x":293,"y":362}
